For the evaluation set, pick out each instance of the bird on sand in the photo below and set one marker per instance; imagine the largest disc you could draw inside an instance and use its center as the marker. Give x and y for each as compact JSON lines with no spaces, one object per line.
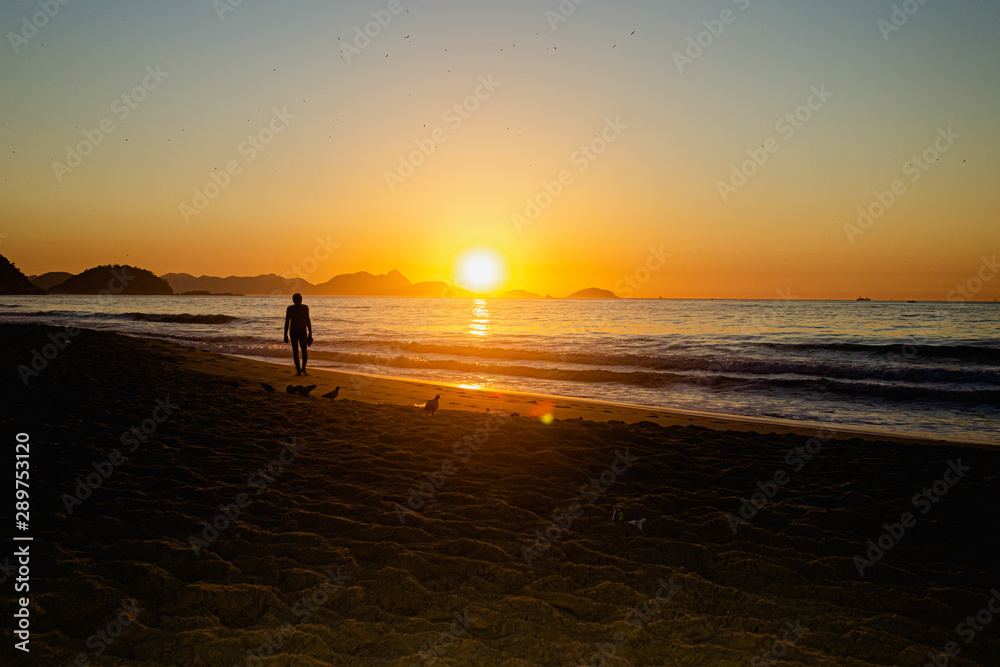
{"x":332,"y":394}
{"x":299,"y":389}
{"x":268,"y":388}
{"x":431,"y":405}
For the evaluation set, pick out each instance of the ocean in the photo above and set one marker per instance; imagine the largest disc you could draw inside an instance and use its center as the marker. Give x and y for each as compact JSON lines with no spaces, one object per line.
{"x":928,"y":368}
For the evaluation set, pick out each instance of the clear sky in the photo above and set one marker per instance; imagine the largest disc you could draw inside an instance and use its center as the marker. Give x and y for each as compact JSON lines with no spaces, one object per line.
{"x":299,"y":137}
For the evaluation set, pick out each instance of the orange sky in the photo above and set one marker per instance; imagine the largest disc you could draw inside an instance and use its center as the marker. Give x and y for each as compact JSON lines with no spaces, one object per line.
{"x":641,"y":143}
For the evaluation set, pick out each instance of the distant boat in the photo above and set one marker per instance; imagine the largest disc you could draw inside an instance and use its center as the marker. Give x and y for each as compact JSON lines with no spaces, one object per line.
{"x":863,"y":298}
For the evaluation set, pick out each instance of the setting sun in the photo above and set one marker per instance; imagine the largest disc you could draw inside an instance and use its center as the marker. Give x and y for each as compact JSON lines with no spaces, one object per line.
{"x":480,"y":270}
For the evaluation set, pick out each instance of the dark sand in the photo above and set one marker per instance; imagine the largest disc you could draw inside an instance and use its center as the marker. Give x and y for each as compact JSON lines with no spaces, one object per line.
{"x":450,"y":585}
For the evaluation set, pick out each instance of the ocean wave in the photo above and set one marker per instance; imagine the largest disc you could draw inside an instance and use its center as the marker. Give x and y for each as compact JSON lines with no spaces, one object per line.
{"x":909,"y":347}
{"x":607,"y":365}
{"x":53,"y":313}
{"x":689,"y":359}
{"x":414,"y":362}
{"x":892,"y":392}
{"x":182,"y":318}
{"x":977,"y":394}
{"x":663,"y":354}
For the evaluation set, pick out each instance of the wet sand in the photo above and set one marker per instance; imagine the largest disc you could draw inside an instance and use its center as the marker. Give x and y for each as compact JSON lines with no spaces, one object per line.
{"x":239,"y":524}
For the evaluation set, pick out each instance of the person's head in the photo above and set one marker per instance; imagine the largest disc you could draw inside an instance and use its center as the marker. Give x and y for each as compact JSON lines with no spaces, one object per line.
{"x":296,"y":298}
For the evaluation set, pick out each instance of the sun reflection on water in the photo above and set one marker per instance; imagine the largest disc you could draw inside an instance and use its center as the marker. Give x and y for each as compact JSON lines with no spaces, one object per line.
{"x":479,"y":324}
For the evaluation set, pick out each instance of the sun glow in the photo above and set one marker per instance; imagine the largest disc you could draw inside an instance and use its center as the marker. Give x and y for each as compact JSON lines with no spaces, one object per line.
{"x":480,"y":270}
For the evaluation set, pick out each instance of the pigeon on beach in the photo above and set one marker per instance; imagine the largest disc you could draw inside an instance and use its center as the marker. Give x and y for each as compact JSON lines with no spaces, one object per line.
{"x":432,"y":405}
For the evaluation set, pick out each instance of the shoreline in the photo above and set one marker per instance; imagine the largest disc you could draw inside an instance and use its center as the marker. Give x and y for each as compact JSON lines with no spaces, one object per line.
{"x":388,"y":389}
{"x":404,"y":391}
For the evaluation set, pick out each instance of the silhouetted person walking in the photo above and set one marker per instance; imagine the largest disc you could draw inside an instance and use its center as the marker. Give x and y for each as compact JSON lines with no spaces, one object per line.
{"x":298,"y":323}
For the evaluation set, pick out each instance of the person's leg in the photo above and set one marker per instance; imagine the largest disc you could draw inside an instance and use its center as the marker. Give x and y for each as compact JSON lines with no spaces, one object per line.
{"x":304,"y":344}
{"x":295,"y":353}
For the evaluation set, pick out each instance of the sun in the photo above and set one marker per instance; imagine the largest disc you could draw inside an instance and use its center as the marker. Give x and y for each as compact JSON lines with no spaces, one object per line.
{"x":480,"y":270}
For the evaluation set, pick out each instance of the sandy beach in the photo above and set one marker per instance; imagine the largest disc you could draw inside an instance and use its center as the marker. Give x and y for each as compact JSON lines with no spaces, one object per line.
{"x":183,"y":515}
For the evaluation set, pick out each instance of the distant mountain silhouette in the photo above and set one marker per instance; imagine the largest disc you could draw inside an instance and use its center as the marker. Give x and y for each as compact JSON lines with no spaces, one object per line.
{"x":12,"y":281}
{"x":518,"y":294}
{"x":49,"y":280}
{"x":263,"y":284}
{"x":115,"y":279}
{"x":361,"y":283}
{"x":593,"y":293}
